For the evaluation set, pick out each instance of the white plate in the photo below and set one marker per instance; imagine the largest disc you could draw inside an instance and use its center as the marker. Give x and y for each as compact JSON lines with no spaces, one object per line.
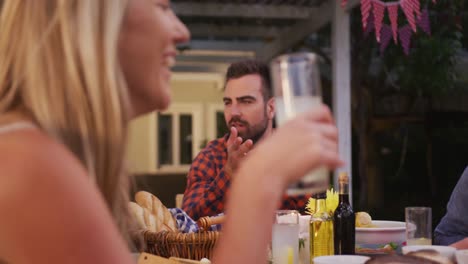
{"x":462,"y":256}
{"x":340,"y":259}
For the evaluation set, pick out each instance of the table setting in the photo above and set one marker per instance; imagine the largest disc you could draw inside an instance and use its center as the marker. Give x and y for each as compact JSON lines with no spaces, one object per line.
{"x":376,"y":241}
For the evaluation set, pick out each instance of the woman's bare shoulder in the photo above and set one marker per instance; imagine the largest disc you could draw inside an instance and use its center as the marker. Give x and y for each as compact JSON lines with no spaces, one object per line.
{"x":28,"y":149}
{"x":29,"y":158}
{"x":51,"y":203}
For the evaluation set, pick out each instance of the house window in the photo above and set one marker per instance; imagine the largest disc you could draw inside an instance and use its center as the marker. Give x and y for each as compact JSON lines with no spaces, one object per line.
{"x":165,"y":139}
{"x":185,"y":140}
{"x":178,"y":136}
{"x":216,"y":124}
{"x":221,"y":128}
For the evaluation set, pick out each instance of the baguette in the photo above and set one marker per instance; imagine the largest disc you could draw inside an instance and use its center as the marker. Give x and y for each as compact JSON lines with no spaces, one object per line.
{"x":159,"y":211}
{"x":138,"y":214}
{"x":145,"y":219}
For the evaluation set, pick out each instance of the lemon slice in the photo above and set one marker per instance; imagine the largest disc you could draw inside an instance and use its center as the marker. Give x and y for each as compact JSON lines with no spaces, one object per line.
{"x":290,"y":255}
{"x":363,"y":219}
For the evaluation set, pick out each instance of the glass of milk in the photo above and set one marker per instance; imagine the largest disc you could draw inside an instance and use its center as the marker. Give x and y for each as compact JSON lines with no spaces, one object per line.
{"x":297,"y":88}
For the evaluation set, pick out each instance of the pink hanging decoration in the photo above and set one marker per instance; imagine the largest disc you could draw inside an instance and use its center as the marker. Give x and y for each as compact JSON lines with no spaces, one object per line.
{"x":393,"y":14}
{"x":370,"y":24}
{"x":424,"y":22}
{"x":372,"y":20}
{"x":386,"y":37}
{"x":379,"y":9}
{"x":344,"y":3}
{"x":405,"y":38}
{"x":365,"y":10}
{"x":409,"y":12}
{"x":417,"y":8}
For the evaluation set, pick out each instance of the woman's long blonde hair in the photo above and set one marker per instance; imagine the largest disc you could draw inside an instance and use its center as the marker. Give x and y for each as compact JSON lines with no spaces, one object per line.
{"x":59,"y":64}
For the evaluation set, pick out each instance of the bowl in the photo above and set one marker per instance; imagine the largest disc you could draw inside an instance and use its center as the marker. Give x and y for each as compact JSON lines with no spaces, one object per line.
{"x":462,"y":256}
{"x":382,"y":232}
{"x":384,"y":237}
{"x":341,"y":259}
{"x":446,"y":251}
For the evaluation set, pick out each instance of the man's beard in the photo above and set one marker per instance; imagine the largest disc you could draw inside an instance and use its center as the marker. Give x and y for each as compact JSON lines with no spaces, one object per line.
{"x":259,"y":131}
{"x":253,"y":133}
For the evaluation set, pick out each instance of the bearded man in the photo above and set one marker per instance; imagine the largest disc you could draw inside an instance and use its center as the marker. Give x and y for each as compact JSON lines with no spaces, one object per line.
{"x":249,"y":111}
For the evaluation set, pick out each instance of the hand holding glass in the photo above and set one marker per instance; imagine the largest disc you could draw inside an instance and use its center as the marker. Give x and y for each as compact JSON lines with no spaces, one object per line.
{"x":297,"y":88}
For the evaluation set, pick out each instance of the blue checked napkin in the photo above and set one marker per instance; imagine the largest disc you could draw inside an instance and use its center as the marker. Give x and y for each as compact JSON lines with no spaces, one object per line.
{"x":185,"y":224}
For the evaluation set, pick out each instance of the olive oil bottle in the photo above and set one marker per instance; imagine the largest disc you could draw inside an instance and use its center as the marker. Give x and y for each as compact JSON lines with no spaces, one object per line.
{"x":321,"y":229}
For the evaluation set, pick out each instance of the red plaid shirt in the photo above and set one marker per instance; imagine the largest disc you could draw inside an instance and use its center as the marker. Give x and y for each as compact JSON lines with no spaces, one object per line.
{"x":207,"y":184}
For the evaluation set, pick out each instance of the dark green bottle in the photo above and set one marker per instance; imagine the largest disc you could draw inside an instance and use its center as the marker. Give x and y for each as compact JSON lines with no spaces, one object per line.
{"x":344,"y":220}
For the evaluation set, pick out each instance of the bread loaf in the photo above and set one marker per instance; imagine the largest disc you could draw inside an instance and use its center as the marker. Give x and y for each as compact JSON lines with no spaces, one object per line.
{"x":144,"y":218}
{"x":137,"y":212}
{"x":159,"y":211}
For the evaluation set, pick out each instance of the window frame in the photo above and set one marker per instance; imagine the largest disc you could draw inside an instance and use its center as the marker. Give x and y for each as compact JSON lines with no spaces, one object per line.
{"x":175,"y":110}
{"x":211,"y":119}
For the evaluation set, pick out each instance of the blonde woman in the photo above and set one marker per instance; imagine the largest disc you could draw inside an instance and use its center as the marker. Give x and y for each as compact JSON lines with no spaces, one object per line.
{"x":72,"y":73}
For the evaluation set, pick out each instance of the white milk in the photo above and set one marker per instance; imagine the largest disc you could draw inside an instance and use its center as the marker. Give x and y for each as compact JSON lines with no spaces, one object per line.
{"x":314,"y":181}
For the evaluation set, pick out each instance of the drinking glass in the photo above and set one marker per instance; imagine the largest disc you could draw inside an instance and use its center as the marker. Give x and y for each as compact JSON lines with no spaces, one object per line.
{"x":297,"y":88}
{"x":418,"y":225}
{"x":285,"y":237}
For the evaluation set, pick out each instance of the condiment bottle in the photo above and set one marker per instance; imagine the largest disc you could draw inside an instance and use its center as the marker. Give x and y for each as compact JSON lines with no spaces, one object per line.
{"x":321,"y":228}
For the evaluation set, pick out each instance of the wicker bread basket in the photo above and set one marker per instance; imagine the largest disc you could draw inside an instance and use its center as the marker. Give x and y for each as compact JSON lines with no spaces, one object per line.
{"x":181,"y":245}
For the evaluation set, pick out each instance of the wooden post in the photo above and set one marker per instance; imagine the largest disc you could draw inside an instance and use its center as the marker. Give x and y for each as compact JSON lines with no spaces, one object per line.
{"x":341,"y":43}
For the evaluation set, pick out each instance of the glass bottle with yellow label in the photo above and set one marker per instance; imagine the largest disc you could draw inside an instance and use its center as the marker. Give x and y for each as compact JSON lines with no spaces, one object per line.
{"x":321,"y":229}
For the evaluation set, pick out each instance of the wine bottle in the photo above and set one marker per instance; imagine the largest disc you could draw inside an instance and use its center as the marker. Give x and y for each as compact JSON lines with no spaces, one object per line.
{"x":344,"y":220}
{"x":321,"y":229}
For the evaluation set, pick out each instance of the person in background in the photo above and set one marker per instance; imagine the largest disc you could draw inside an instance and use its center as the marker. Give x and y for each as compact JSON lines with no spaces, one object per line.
{"x":453,"y":228}
{"x":72,"y":74}
{"x":249,"y":111}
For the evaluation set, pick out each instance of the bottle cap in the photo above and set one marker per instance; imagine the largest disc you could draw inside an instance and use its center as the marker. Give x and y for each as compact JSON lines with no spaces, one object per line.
{"x":322,"y":195}
{"x":343,"y":177}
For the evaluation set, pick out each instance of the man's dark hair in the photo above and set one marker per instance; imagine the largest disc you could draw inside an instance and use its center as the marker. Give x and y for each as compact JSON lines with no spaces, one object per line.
{"x":246,"y":67}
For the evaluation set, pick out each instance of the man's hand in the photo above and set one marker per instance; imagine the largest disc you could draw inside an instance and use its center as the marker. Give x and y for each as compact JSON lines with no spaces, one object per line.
{"x":236,"y":151}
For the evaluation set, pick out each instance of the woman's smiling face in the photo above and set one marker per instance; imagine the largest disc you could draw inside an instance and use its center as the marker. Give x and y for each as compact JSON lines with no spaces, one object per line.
{"x":147,"y":50}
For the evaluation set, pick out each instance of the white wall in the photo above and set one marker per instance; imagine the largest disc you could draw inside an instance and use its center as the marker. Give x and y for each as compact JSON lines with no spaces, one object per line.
{"x":205,"y":89}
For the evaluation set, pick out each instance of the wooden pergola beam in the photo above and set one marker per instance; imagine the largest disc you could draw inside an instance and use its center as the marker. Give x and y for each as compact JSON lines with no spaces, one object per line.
{"x":290,"y":37}
{"x":233,"y":31}
{"x":201,"y":9}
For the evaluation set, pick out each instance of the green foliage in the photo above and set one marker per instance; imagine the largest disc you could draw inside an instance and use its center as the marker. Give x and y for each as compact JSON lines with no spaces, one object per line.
{"x":420,"y":162}
{"x":429,"y":69}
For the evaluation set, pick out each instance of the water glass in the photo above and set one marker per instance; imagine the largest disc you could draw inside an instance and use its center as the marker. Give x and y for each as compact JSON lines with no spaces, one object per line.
{"x":297,"y":88}
{"x":285,"y":237}
{"x":418,"y":225}
{"x":304,"y":239}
